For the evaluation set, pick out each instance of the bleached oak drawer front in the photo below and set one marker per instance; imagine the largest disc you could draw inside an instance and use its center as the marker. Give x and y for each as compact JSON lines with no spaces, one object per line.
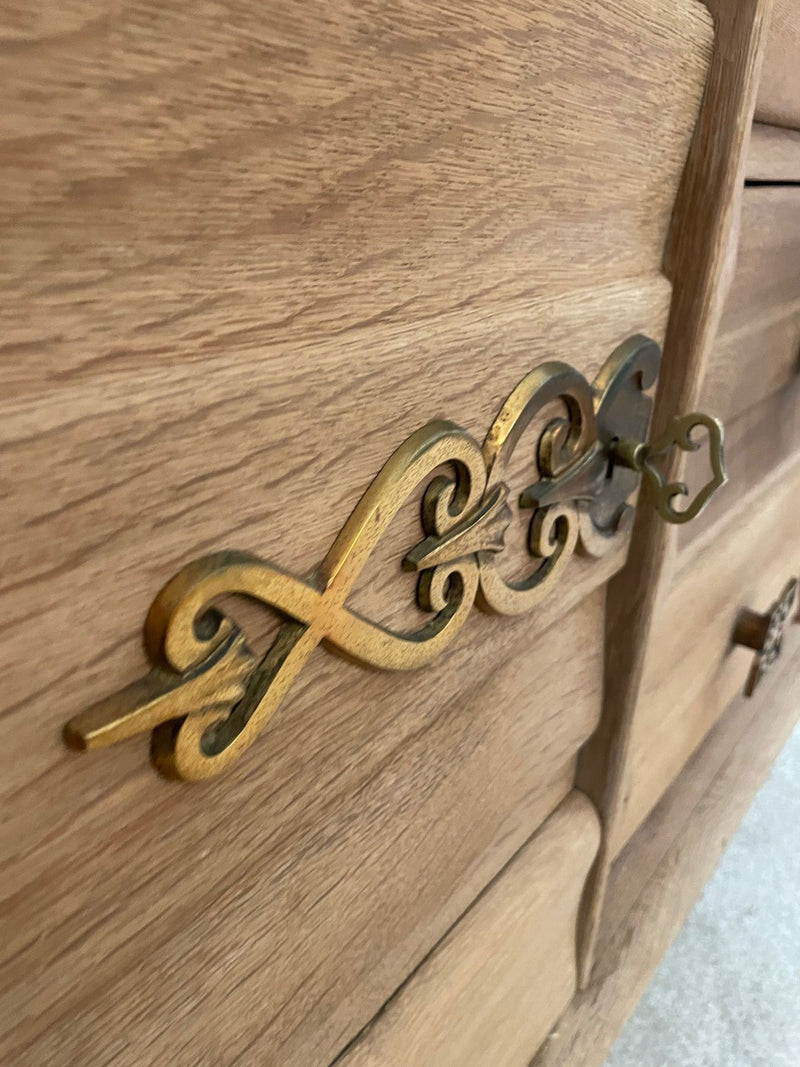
{"x":766,"y":282}
{"x":492,"y":989}
{"x":693,"y":668}
{"x":249,"y":250}
{"x":755,"y":352}
{"x":779,"y":88}
{"x":753,"y":375}
{"x":773,"y":154}
{"x":750,"y":364}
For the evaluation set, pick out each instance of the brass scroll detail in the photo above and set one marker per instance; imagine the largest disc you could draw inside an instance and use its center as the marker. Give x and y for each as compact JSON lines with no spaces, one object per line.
{"x":208,"y":696}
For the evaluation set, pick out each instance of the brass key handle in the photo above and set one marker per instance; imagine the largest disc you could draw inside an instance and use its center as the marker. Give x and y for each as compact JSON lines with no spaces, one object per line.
{"x":644,"y":459}
{"x":764,"y":634}
{"x":208,"y":696}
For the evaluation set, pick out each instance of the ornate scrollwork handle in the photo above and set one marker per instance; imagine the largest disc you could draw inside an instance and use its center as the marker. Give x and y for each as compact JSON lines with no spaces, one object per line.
{"x":208,"y":696}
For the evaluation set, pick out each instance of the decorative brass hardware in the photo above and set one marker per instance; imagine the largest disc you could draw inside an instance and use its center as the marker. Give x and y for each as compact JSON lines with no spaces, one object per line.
{"x":764,"y":634}
{"x":643,"y":458}
{"x":207,"y":698}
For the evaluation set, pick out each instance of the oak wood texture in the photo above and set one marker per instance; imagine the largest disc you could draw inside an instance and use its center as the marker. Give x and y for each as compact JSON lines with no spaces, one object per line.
{"x":658,"y":876}
{"x":766,"y":281}
{"x":747,"y":366}
{"x":699,"y":260}
{"x":773,"y":154}
{"x":312,"y":884}
{"x":779,"y":89}
{"x":247,"y":249}
{"x":493,"y":987}
{"x":752,"y":377}
{"x":243,"y":181}
{"x":692,"y":670}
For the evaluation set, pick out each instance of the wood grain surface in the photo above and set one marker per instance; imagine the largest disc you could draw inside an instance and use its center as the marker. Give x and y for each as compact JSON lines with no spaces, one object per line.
{"x":661,"y":872}
{"x":752,"y":378}
{"x":747,"y":366}
{"x":756,"y":352}
{"x":692,"y":670}
{"x":491,"y":990}
{"x":247,"y":249}
{"x":779,"y":88}
{"x":773,"y":154}
{"x":766,"y":281}
{"x":699,"y":260}
{"x":188,"y":186}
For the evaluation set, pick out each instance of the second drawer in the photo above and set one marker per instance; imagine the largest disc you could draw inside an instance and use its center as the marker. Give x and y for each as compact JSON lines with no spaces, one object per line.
{"x":692,"y":667}
{"x":493,"y":987}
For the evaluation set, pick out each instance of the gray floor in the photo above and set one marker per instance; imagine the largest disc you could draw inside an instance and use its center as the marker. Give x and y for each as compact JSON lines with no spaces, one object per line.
{"x":727,"y":993}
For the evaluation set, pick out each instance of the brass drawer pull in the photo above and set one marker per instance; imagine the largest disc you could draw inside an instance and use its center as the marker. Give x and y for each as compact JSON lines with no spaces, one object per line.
{"x":207,"y":697}
{"x":764,"y":634}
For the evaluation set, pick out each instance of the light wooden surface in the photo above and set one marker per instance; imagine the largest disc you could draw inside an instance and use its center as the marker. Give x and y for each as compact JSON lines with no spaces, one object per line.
{"x":774,"y":153}
{"x":699,"y":260}
{"x":660,"y":874}
{"x":692,"y":670}
{"x":246,"y":251}
{"x":767,"y":275}
{"x":748,"y":366}
{"x":307,"y":887}
{"x":779,"y":89}
{"x":193,"y":187}
{"x":757,"y":350}
{"x":752,"y":378}
{"x":491,"y":990}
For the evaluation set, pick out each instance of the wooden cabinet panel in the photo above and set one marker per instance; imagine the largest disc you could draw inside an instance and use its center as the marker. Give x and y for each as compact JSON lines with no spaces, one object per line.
{"x":752,"y":380}
{"x":671,"y":668}
{"x":656,"y":879}
{"x":494,"y":986}
{"x":773,"y":154}
{"x":191,"y":185}
{"x":766,"y":282}
{"x":692,"y":670}
{"x":749,"y":365}
{"x":756,"y":352}
{"x":283,"y":902}
{"x":779,"y":89}
{"x":248,"y":249}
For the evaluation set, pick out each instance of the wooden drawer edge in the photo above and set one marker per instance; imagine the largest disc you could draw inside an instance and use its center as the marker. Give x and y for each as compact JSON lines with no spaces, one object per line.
{"x":777,"y":100}
{"x":750,"y":505}
{"x":773,"y":154}
{"x":692,"y":670}
{"x":750,"y":364}
{"x":496,"y":983}
{"x":658,"y":876}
